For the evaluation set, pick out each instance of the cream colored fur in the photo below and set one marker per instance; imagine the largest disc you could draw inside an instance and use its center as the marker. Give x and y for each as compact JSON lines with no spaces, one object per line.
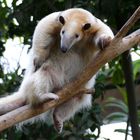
{"x":56,"y":68}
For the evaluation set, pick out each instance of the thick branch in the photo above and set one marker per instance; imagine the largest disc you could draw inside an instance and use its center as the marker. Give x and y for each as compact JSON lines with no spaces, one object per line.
{"x":128,"y":25}
{"x":123,"y":31}
{"x":70,"y":90}
{"x":116,"y":47}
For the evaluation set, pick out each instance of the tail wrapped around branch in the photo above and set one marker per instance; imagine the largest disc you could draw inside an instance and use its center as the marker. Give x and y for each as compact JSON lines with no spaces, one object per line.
{"x":11,"y":102}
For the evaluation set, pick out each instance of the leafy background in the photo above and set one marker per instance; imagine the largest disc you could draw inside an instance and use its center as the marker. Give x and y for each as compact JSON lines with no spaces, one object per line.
{"x":20,"y":19}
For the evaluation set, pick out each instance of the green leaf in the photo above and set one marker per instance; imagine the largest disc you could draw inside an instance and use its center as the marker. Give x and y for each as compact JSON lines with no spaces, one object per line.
{"x":123,"y":131}
{"x":123,"y":107}
{"x":118,"y":76}
{"x":136,"y":67}
{"x":113,"y":102}
{"x":123,"y":93}
{"x":116,"y":116}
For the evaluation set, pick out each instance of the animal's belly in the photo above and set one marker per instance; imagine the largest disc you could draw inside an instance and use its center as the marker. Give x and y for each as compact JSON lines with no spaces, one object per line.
{"x":69,"y":65}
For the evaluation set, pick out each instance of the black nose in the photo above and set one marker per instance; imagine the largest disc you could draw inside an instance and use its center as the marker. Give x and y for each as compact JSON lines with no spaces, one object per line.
{"x":63,"y":49}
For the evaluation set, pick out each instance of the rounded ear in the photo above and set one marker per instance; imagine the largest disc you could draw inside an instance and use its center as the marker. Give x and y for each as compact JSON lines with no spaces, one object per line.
{"x":62,"y":20}
{"x":86,"y":26}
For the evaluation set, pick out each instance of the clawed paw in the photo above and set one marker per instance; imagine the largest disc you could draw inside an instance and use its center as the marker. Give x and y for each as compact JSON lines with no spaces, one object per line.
{"x":58,"y":125}
{"x":104,"y":41}
{"x":37,"y":62}
{"x":49,"y":96}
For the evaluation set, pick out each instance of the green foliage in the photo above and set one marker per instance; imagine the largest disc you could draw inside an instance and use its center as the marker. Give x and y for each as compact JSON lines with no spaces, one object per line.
{"x":10,"y":82}
{"x":118,"y":116}
{"x":124,"y":131}
{"x":121,"y":114}
{"x":136,"y":68}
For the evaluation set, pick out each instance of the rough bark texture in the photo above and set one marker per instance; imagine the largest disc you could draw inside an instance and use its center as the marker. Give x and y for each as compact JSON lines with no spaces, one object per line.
{"x":116,"y":47}
{"x":130,"y":88}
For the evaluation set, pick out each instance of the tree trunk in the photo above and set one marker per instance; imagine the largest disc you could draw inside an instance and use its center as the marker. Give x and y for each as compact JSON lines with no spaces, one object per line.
{"x":130,"y":88}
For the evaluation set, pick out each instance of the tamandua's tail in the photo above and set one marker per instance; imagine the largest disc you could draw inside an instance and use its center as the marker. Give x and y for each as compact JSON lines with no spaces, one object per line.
{"x":11,"y":102}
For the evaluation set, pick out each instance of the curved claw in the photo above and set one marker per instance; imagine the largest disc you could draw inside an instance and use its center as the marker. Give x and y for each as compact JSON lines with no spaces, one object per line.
{"x":104,"y":41}
{"x":58,"y":125}
{"x":49,"y":96}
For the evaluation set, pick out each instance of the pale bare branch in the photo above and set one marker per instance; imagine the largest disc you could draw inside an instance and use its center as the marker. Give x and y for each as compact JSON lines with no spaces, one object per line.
{"x":116,"y":47}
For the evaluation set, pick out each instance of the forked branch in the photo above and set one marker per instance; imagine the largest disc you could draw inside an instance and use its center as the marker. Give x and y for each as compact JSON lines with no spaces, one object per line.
{"x":118,"y":45}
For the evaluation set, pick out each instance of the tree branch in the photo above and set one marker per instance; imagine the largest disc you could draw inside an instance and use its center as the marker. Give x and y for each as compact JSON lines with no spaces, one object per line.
{"x":128,"y":25}
{"x":116,"y":47}
{"x":11,"y":106}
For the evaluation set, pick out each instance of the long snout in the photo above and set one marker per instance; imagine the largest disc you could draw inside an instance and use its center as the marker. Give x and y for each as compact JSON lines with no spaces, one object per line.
{"x":66,"y":44}
{"x":64,"y":49}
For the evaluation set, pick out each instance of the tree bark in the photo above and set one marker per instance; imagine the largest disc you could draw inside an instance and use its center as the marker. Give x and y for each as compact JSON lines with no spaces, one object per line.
{"x":116,"y":47}
{"x":130,"y":88}
{"x":129,"y":82}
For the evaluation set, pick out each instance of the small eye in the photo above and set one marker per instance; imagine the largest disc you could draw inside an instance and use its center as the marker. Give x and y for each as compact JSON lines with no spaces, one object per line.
{"x":63,"y":32}
{"x":76,"y":35}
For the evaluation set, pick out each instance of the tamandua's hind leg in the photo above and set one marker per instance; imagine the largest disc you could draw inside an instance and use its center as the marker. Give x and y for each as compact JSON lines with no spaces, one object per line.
{"x":67,"y":110}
